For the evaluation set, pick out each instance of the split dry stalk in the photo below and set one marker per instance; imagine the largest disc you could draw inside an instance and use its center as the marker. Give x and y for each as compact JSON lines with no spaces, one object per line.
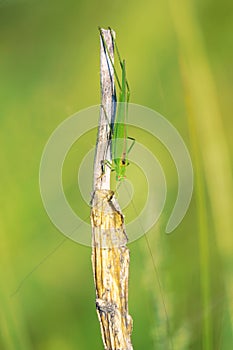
{"x":110,"y":256}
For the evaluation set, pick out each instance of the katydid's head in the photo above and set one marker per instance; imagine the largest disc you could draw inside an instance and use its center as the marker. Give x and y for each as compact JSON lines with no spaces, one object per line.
{"x":121,"y":165}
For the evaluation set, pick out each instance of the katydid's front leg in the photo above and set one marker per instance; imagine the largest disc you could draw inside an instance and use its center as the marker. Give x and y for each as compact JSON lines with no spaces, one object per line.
{"x":103,"y":164}
{"x":106,"y":163}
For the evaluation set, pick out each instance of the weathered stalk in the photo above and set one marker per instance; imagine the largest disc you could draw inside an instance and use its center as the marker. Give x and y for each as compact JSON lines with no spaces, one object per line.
{"x":110,"y":256}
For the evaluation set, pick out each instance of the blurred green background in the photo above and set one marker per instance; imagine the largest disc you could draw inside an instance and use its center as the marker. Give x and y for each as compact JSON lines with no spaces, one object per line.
{"x":179,"y":60}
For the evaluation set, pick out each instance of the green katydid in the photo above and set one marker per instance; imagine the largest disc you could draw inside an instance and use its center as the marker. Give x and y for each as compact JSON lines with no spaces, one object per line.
{"x":119,"y":135}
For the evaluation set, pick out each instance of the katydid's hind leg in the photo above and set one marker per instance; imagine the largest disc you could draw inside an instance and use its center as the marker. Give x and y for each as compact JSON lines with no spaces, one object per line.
{"x":132,"y":144}
{"x":121,"y":61}
{"x":117,"y":50}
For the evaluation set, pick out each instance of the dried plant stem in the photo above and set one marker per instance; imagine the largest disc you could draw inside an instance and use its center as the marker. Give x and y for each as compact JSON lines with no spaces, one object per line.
{"x":110,"y":256}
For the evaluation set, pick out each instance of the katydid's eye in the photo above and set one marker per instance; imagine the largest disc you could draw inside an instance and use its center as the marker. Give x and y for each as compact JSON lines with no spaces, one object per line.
{"x":123,"y":162}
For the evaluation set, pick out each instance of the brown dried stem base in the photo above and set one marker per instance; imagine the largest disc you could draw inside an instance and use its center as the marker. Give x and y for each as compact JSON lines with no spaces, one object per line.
{"x":110,"y":260}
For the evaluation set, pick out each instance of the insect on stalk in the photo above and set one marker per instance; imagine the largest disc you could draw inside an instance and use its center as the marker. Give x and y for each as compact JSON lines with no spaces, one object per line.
{"x":119,"y":129}
{"x":120,"y":150}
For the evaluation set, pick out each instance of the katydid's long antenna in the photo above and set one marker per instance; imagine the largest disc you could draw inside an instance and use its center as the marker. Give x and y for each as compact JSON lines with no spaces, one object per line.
{"x":157,"y":276}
